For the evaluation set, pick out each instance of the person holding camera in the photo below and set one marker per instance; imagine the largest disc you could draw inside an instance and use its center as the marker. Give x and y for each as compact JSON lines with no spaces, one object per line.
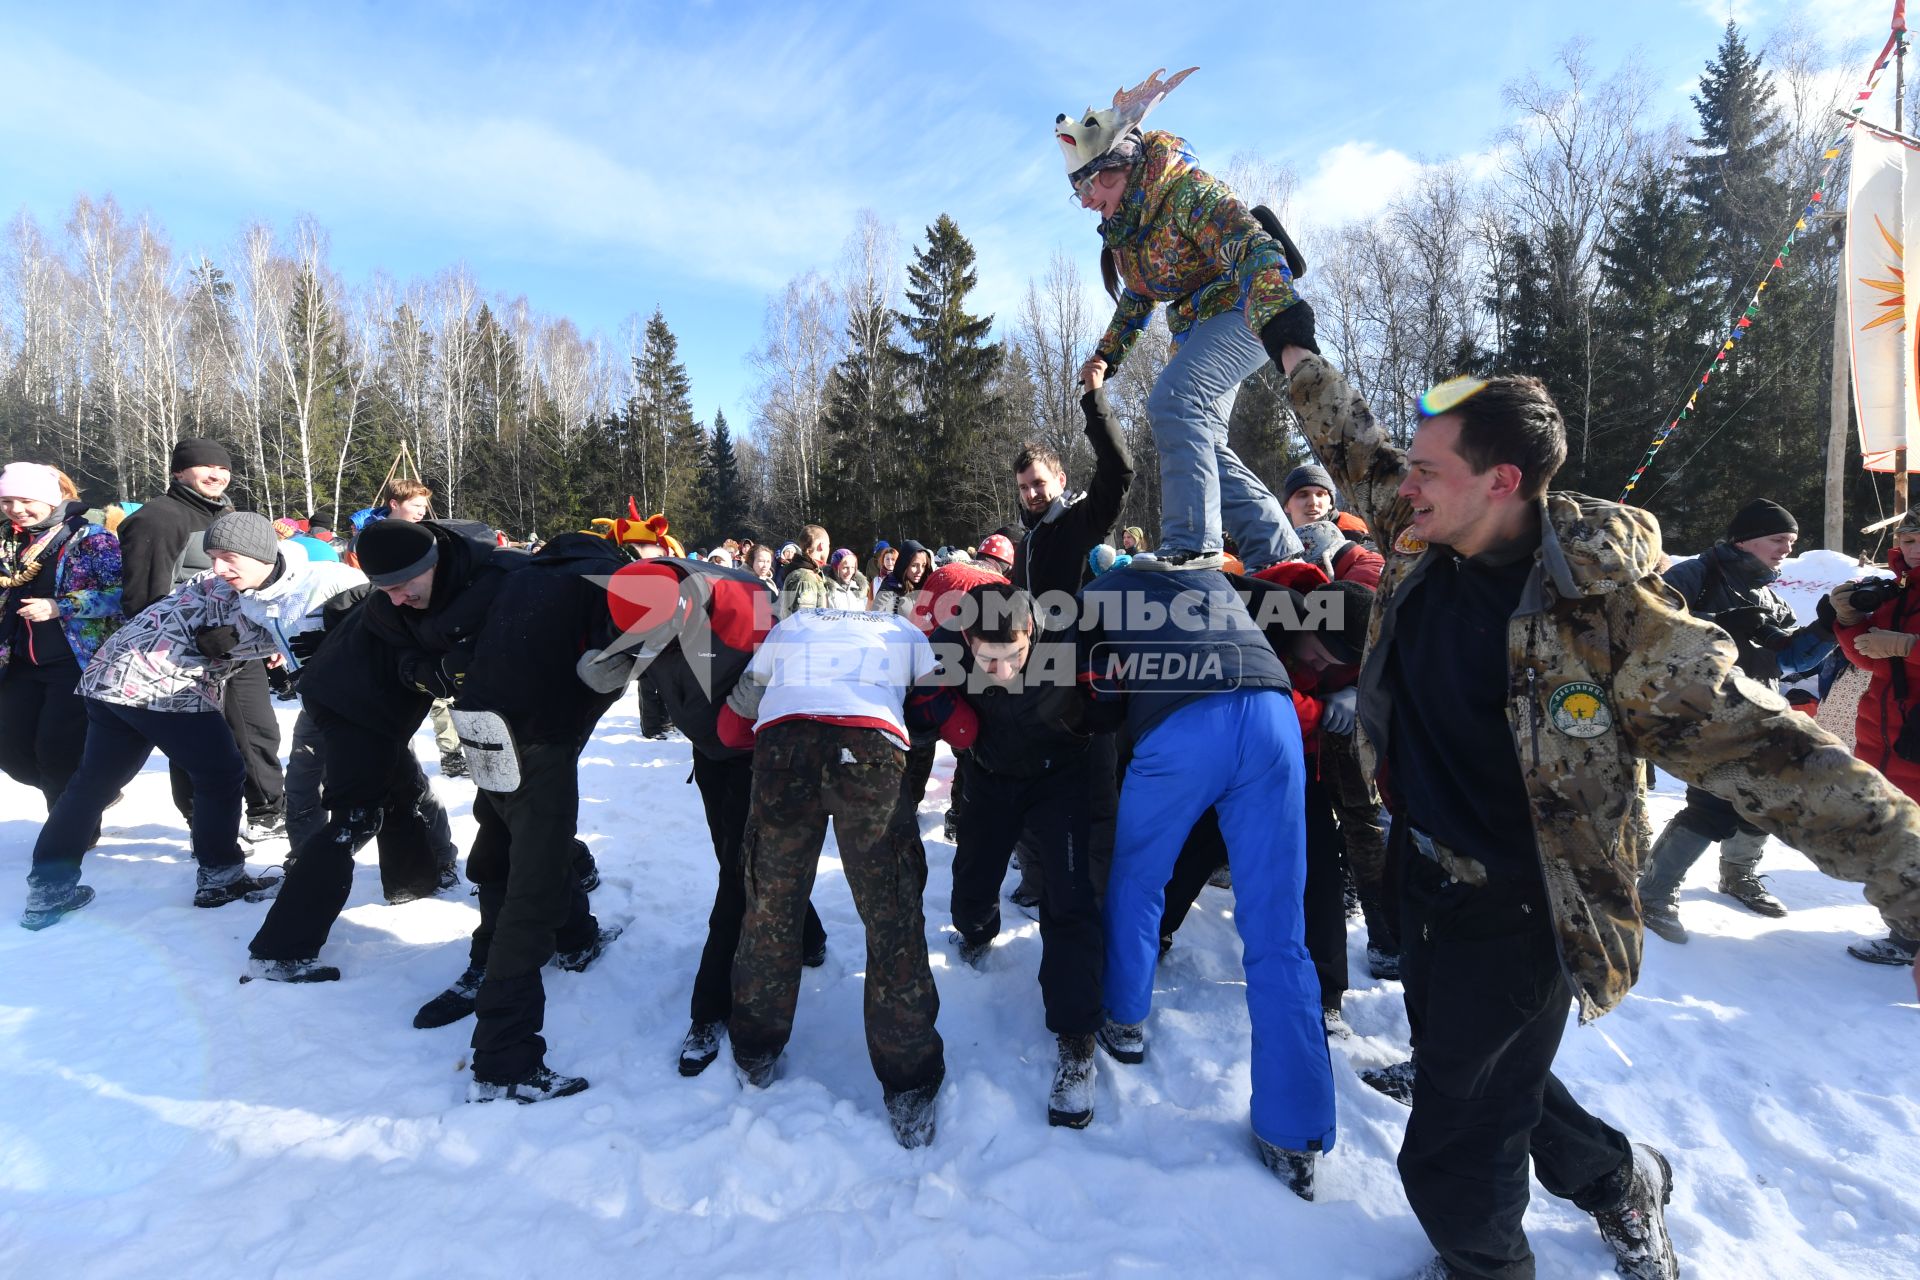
{"x":1730,"y":585}
{"x":1877,"y":622}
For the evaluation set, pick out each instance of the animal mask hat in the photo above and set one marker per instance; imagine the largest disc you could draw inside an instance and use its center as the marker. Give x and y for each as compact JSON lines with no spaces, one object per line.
{"x":631,"y":530}
{"x":1087,"y":140}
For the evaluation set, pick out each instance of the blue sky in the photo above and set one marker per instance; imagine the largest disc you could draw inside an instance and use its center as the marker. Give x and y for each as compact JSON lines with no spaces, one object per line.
{"x":604,"y":159}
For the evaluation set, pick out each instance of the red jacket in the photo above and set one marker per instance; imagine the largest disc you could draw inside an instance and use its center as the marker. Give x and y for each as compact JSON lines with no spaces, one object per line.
{"x":1881,"y":712}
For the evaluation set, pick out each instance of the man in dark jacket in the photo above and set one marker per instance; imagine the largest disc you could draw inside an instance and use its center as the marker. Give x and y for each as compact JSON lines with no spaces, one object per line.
{"x":525,"y":707}
{"x":161,"y":547}
{"x":1062,"y":527}
{"x":1731,"y":585}
{"x":1207,"y":702}
{"x":1026,"y":780}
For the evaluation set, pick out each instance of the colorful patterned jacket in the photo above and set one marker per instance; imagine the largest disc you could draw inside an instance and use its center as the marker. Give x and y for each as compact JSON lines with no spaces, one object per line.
{"x":1182,"y":237}
{"x":1606,"y":669}
{"x":86,"y":582}
{"x":155,"y":662}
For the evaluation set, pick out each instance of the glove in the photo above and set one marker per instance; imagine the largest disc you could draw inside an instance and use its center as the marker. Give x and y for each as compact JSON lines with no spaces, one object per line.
{"x":1771,"y":638}
{"x":306,"y":644}
{"x":1740,"y":623}
{"x":281,"y":681}
{"x":604,"y":673}
{"x":216,"y":642}
{"x":1338,"y":712}
{"x":1881,"y":643}
{"x":438,"y":676}
{"x":1291,"y":328}
{"x":1758,"y":664}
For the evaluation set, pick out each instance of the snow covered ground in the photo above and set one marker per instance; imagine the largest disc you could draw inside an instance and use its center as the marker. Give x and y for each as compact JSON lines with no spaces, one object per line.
{"x":161,"y":1119}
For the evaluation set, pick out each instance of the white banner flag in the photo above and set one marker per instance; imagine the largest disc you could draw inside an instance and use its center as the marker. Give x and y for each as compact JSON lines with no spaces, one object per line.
{"x":1883,"y":218}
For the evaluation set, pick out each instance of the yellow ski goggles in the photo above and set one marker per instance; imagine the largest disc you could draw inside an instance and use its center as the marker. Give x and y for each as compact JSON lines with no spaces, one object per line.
{"x":1447,"y":396}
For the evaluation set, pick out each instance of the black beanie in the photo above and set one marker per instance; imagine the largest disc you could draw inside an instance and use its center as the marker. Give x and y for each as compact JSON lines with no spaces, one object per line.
{"x":199,"y":453}
{"x":395,"y":551}
{"x":323,"y":518}
{"x":1352,"y":607}
{"x":1305,"y":474}
{"x":246,"y":533}
{"x":1759,"y":519}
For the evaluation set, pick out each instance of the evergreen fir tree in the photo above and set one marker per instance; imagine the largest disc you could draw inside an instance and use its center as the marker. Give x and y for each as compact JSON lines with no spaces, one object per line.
{"x":724,"y":492}
{"x":663,"y":412}
{"x":952,"y":367}
{"x":869,"y":471}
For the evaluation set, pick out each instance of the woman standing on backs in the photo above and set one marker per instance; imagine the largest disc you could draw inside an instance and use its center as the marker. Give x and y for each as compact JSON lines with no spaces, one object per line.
{"x":59,"y":598}
{"x":1877,"y":622}
{"x":1172,"y":233}
{"x":158,"y":682}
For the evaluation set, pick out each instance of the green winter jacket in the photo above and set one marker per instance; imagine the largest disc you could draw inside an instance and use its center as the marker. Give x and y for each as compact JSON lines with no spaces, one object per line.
{"x":1606,"y":669}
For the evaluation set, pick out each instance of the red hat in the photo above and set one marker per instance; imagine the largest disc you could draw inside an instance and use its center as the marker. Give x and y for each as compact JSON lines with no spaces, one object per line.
{"x":999,"y":546}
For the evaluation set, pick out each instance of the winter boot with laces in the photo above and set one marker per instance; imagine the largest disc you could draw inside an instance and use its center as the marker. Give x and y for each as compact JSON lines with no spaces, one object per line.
{"x":911,"y":1112}
{"x":543,"y":1084}
{"x":1070,"y":1105}
{"x":1636,"y":1228}
{"x":1126,"y":1041}
{"x":700,"y":1047}
{"x":1892,"y":950}
{"x":1295,"y":1168}
{"x":1395,"y":1080}
{"x":1738,"y":857}
{"x":453,"y":764}
{"x":308,"y":970}
{"x":1677,"y":849}
{"x":218,"y":887}
{"x":1383,"y":964}
{"x":49,"y":905}
{"x":453,"y":1004}
{"x":578,"y":961}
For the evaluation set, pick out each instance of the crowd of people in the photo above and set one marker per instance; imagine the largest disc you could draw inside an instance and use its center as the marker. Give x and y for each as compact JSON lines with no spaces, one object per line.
{"x":1416,"y":683}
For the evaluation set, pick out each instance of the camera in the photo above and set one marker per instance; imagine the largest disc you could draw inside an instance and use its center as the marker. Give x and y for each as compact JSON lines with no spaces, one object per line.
{"x":1873,"y":593}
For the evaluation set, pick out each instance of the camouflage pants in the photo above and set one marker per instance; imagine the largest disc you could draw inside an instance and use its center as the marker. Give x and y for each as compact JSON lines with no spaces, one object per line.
{"x":1356,"y":804}
{"x":804,"y":772}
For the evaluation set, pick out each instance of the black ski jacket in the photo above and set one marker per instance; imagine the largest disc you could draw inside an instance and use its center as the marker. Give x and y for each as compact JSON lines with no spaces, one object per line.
{"x":153,"y":541}
{"x":1052,"y":556}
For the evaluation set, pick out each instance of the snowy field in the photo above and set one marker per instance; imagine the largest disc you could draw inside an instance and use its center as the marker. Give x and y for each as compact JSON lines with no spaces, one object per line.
{"x":160,"y":1119}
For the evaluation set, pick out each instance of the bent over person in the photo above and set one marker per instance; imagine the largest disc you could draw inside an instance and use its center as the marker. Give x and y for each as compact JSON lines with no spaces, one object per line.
{"x":823,"y":705}
{"x":1523,"y":659}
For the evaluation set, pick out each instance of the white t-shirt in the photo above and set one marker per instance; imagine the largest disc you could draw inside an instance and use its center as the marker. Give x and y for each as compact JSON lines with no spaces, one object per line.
{"x":840,"y":663}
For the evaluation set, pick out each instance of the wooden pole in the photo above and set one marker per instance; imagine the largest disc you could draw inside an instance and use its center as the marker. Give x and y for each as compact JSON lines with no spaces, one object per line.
{"x":1899,"y":105}
{"x":1834,"y":529}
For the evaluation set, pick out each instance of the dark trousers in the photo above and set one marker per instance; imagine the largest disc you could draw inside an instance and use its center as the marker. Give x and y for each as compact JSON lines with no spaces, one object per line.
{"x":119,"y":740}
{"x":1325,"y":898}
{"x":247,"y":704}
{"x":1055,"y":814}
{"x":1487,"y":1001}
{"x":726,"y":792}
{"x":1363,"y":835}
{"x":915,"y":771}
{"x":373,"y":790}
{"x":43,"y":725}
{"x":530,"y":904}
{"x":805,"y":772}
{"x":654,"y":720}
{"x":1712,"y":817}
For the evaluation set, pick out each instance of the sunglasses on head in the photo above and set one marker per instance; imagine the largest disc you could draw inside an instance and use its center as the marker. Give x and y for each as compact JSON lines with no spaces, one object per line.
{"x":1447,"y":396}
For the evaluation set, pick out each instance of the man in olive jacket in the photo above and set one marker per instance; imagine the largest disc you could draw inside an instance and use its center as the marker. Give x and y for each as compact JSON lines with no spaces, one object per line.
{"x":1517,"y":625}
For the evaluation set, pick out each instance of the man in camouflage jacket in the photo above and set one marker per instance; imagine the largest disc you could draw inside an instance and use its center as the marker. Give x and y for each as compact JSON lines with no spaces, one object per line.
{"x":1603,"y":667}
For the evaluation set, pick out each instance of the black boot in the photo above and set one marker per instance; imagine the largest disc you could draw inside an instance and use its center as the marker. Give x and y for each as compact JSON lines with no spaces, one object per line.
{"x":49,"y":906}
{"x":911,"y":1111}
{"x":1636,"y":1228}
{"x":308,"y":970}
{"x":1677,"y":849}
{"x":217,"y":889}
{"x":453,"y":1004}
{"x":1891,"y":950}
{"x":577,"y":961}
{"x":1295,"y":1168}
{"x":1070,"y":1104}
{"x":700,"y":1047}
{"x":1395,"y":1080}
{"x":543,"y":1084}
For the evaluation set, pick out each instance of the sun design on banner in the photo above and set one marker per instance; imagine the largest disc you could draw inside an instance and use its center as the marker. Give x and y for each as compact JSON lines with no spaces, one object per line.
{"x":1894,"y":306}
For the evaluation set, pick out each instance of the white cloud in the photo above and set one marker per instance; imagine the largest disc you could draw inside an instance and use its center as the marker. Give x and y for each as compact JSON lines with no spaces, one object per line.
{"x":1353,"y":181}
